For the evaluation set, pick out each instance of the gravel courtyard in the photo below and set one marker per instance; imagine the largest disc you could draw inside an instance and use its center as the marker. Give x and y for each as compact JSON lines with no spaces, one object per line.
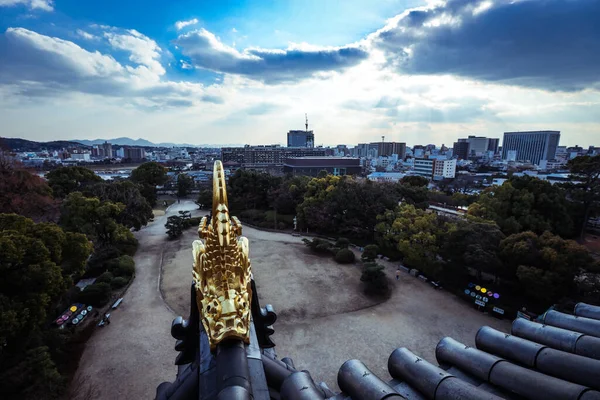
{"x":323,"y":317}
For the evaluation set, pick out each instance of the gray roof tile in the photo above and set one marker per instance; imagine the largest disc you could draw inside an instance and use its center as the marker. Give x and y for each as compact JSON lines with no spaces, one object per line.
{"x":558,"y":360}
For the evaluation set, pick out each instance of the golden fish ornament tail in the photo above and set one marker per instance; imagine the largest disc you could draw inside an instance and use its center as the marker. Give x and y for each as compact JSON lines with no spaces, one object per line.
{"x":222,"y":270}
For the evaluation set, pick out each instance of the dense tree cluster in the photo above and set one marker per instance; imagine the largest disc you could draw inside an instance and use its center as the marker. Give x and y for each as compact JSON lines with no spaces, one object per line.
{"x":137,"y":211}
{"x":41,"y":262}
{"x":262,"y":199}
{"x":545,"y":265}
{"x":149,"y":175}
{"x":584,"y":187}
{"x":347,"y":207}
{"x":523,"y":213}
{"x":185,"y":184}
{"x":65,"y":180}
{"x":526,"y":203}
{"x":416,"y":234}
{"x":472,"y":246}
{"x":24,"y":193}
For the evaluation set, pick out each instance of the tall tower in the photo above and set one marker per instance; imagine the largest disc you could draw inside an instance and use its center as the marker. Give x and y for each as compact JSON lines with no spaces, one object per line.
{"x":306,"y":123}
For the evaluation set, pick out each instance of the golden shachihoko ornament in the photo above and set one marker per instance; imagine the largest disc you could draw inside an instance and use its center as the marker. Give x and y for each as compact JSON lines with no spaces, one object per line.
{"x":222,"y":270}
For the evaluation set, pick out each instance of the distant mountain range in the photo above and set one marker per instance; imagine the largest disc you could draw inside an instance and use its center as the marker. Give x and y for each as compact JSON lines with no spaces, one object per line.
{"x":125,"y":141}
{"x":16,"y":144}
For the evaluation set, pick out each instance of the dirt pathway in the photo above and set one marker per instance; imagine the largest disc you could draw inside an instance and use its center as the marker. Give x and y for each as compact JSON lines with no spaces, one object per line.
{"x":130,"y":357}
{"x":323,"y":317}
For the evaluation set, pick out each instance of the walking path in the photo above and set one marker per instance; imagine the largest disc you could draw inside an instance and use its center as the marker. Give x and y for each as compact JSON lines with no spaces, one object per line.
{"x":131,"y":356}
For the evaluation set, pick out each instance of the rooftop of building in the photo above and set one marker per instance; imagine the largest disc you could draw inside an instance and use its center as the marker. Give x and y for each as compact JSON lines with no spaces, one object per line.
{"x":323,"y":158}
{"x":321,"y":162}
{"x":555,"y":358}
{"x":517,"y":132}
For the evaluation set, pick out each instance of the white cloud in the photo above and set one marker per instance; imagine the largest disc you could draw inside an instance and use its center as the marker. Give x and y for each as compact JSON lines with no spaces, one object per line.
{"x":348,"y":100}
{"x":142,"y":49}
{"x":44,"y":5}
{"x":179,"y":25}
{"x":38,"y":66}
{"x":234,"y":30}
{"x":86,"y":35}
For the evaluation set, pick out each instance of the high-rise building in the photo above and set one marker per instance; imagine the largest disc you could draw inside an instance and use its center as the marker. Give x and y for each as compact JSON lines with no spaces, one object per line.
{"x":474,"y":146}
{"x":135,"y":154}
{"x":300,"y":139}
{"x":477,"y":145}
{"x":389,"y":148}
{"x":361,"y":150}
{"x":532,"y":146}
{"x":303,"y":138}
{"x":493,"y":145}
{"x":107,"y":149}
{"x":461,"y":149}
{"x":341,"y":150}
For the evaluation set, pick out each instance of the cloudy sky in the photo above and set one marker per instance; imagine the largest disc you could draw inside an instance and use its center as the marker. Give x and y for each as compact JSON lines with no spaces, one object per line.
{"x":243,"y":71}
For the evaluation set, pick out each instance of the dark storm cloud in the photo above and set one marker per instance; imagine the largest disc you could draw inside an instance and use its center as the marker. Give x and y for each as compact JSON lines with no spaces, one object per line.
{"x":547,"y":44}
{"x":206,"y":51}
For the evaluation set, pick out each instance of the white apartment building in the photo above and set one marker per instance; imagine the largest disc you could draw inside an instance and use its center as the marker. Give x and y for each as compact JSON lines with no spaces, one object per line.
{"x":80,"y":156}
{"x":444,"y":169}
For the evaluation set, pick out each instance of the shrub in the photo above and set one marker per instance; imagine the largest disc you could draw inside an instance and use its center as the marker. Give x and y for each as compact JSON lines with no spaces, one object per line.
{"x":376,"y":283}
{"x":318,"y":245}
{"x":119,"y":282}
{"x":122,"y":266}
{"x":192,"y":222}
{"x":174,"y":225}
{"x":281,"y":225}
{"x":323,"y":247}
{"x":370,"y":252}
{"x":106,"y":277}
{"x":342,"y":243}
{"x":95,"y":295}
{"x":345,"y":256}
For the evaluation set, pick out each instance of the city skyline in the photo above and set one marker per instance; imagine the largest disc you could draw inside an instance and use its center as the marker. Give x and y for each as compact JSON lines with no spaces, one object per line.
{"x":142,"y":142}
{"x":246,"y":72}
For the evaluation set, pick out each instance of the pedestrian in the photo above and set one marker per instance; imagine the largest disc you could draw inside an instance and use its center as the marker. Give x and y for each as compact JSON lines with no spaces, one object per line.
{"x":398,"y":274}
